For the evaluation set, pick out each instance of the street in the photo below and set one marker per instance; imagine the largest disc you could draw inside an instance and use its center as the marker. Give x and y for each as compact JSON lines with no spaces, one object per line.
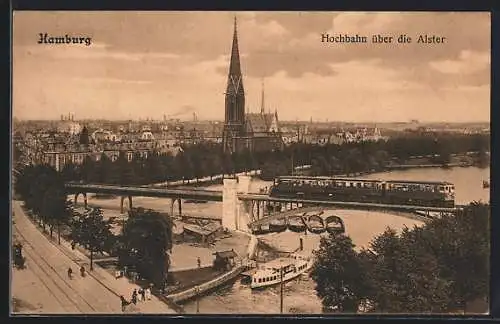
{"x":49,"y":286}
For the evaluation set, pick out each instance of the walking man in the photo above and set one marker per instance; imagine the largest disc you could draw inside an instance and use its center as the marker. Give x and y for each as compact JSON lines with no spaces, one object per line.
{"x":148,"y":293}
{"x":199,"y":262}
{"x":82,"y":271}
{"x":134,"y":297}
{"x":70,"y":273}
{"x":124,"y":303}
{"x":142,"y":292}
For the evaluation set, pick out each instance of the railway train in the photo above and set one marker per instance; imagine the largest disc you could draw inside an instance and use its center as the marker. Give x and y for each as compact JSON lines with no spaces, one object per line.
{"x":397,"y":192}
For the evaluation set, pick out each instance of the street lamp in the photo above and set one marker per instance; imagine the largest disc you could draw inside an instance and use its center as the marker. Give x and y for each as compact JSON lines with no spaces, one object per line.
{"x":197,"y":290}
{"x":281,"y":288}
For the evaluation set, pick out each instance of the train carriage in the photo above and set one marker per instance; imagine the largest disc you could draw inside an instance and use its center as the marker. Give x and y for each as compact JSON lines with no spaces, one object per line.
{"x":421,"y":193}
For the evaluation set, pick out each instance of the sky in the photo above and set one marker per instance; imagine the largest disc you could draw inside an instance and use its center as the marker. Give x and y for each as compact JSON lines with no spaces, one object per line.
{"x":151,"y":64}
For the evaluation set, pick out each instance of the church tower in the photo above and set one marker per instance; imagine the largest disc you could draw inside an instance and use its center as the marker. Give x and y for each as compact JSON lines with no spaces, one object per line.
{"x":234,"y":121}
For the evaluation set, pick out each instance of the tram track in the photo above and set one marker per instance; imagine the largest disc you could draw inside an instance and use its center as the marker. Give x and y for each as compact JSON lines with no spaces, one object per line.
{"x":66,"y":295}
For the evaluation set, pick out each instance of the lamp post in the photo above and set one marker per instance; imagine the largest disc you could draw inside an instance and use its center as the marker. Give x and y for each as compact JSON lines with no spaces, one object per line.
{"x":197,"y":300}
{"x":281,"y":288}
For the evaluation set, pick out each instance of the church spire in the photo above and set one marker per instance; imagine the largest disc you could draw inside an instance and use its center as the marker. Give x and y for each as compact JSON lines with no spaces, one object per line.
{"x":234,"y":98}
{"x":262,"y":106}
{"x":234,"y":66}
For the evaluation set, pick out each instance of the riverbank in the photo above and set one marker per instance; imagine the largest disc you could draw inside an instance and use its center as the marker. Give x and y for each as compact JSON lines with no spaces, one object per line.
{"x":205,"y":286}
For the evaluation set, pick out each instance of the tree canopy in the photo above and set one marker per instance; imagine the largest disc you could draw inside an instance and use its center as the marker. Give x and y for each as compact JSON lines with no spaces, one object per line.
{"x":435,"y":268}
{"x":92,"y":231}
{"x":145,"y":243}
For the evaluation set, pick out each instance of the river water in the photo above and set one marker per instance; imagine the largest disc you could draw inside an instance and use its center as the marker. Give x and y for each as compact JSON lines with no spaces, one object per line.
{"x":361,"y":226}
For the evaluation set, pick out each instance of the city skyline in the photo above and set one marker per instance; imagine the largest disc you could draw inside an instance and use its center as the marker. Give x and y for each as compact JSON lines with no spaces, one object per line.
{"x":152,"y":64}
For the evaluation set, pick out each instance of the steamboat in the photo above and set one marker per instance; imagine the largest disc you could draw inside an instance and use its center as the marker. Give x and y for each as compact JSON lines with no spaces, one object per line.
{"x":277,"y":271}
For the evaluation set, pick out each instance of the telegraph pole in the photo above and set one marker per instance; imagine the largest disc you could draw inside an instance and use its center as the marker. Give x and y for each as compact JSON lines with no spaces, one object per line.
{"x":281,"y":290}
{"x":197,"y":300}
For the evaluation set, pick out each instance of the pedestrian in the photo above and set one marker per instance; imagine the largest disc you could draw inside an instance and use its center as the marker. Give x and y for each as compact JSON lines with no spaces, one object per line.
{"x":199,"y":262}
{"x":139,"y":294}
{"x":142,"y":292}
{"x":134,"y":297}
{"x":148,"y":293}
{"x":124,"y":302}
{"x":70,"y":273}
{"x":82,"y":271}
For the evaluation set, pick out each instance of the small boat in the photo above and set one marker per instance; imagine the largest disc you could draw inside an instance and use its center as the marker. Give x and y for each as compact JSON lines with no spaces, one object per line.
{"x":316,"y":224}
{"x":334,"y":224}
{"x":296,"y":224}
{"x":261,"y":229}
{"x":278,"y":225}
{"x":277,"y":271}
{"x":486,"y":184}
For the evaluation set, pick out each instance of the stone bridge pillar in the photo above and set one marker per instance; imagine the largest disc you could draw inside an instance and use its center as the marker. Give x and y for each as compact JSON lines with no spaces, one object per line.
{"x":243,"y":217}
{"x":122,"y":199}
{"x":130,"y":202}
{"x":172,"y":202}
{"x":229,"y":204}
{"x":84,"y":194}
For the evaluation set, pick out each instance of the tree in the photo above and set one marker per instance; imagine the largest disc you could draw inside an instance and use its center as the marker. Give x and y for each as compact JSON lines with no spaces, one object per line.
{"x":124,"y":170}
{"x":146,"y":241}
{"x":56,"y":209}
{"x":227,"y":164}
{"x":90,"y":230}
{"x":69,"y":172}
{"x":337,"y":272}
{"x":403,"y":276}
{"x":87,"y":169}
{"x":461,"y":245}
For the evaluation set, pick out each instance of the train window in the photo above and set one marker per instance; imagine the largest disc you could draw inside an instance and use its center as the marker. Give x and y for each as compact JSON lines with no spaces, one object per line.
{"x":260,"y":280}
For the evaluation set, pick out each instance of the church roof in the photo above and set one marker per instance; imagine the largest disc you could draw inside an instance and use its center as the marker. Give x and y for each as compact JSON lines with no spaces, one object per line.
{"x":259,"y":122}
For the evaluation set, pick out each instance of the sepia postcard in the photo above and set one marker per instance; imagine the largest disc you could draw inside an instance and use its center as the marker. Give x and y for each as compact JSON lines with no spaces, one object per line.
{"x":250,"y":163}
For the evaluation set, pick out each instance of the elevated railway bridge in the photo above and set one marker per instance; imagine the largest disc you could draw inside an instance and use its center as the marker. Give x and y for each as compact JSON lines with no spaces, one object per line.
{"x":129,"y":191}
{"x":308,"y":205}
{"x":240,"y":208}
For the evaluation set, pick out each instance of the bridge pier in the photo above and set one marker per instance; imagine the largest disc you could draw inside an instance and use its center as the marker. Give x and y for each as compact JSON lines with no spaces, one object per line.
{"x":130,"y":202}
{"x":236,"y":213}
{"x":84,"y":194}
{"x":172,"y":201}
{"x":180,"y":206}
{"x":122,"y":198}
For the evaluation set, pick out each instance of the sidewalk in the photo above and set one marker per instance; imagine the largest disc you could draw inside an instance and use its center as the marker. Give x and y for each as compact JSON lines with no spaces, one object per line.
{"x":117,"y":287}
